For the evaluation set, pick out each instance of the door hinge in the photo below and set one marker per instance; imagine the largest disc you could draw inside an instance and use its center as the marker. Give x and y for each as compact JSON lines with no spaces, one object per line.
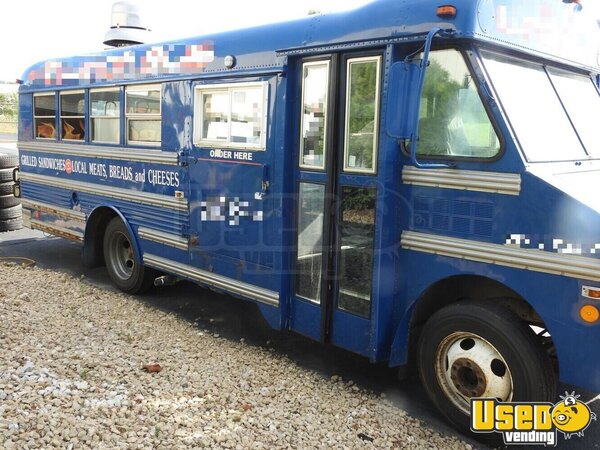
{"x":183,"y":159}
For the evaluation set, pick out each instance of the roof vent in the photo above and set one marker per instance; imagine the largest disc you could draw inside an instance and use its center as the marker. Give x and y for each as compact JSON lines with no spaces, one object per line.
{"x":125,"y":27}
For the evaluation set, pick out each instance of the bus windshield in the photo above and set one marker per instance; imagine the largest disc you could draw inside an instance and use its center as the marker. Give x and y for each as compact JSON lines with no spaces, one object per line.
{"x":557,"y":121}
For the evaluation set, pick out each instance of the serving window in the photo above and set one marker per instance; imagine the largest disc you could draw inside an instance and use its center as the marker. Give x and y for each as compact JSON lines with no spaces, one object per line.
{"x":143,"y":114}
{"x":105,"y":113}
{"x":231,"y":115}
{"x":44,"y":115}
{"x":72,"y":116}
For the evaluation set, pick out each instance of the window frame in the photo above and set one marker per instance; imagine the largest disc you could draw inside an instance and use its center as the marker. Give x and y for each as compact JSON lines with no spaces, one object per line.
{"x":328,"y":64}
{"x":91,"y":91}
{"x":474,"y":65}
{"x":61,"y":117}
{"x":201,"y":89}
{"x":143,"y":116}
{"x":54,"y":117}
{"x":375,"y":150}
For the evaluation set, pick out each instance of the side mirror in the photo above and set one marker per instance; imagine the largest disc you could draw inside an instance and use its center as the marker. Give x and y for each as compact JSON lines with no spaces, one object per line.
{"x":404,"y":104}
{"x":406,"y":88}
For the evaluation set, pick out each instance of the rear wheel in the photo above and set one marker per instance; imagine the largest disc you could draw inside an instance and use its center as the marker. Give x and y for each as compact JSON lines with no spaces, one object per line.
{"x":128,"y":274}
{"x":479,"y":349}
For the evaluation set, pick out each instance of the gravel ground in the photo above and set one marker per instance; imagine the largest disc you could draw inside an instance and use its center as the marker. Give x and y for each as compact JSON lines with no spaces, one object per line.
{"x":71,"y":377}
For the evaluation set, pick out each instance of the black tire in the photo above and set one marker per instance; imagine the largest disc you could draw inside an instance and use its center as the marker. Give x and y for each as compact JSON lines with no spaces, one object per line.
{"x":451,"y":377}
{"x":8,"y":201}
{"x":6,"y":175}
{"x":6,"y":188}
{"x":14,"y":212}
{"x":11,"y":225}
{"x":8,"y":161}
{"x":128,"y":274}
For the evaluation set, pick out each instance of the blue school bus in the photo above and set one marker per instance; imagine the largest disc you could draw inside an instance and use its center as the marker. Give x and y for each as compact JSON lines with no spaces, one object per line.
{"x":413,"y":181}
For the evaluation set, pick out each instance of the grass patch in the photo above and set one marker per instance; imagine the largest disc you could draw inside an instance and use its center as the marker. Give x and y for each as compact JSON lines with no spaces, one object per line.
{"x":7,"y":127}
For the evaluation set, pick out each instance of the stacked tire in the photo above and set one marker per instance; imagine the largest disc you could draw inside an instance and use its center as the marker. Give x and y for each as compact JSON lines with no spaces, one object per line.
{"x":10,"y":207}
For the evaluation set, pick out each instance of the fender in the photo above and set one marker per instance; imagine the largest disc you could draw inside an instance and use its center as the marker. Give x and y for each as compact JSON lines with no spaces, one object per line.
{"x":399,"y":350}
{"x":132,"y":233}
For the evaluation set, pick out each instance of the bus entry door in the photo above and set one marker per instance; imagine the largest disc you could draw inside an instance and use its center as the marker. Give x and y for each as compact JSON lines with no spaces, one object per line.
{"x":336,"y":199}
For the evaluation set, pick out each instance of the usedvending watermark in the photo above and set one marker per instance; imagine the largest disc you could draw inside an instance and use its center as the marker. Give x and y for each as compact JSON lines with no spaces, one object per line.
{"x":531,"y":423}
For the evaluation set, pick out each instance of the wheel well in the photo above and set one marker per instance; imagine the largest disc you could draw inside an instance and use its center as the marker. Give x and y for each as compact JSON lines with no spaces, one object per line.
{"x":462,"y":287}
{"x":93,"y":254}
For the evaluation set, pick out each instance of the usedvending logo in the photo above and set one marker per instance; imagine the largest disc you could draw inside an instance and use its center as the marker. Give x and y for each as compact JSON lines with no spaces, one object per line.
{"x":531,"y":423}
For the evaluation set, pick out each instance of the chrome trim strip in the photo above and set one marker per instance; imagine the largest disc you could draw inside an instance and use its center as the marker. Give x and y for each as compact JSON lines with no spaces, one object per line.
{"x":58,"y":211}
{"x":259,"y":294}
{"x":56,"y":230}
{"x":97,"y":151}
{"x":573,"y":266}
{"x":145,"y":198}
{"x":469,"y":180}
{"x":160,"y":237}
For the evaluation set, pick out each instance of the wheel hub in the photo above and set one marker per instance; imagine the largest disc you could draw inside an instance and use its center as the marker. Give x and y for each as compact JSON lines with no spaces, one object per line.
{"x":468,"y":366}
{"x":468,"y":378}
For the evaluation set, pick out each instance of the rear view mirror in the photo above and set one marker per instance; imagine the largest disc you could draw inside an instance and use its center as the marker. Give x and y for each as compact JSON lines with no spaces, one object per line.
{"x":407,"y":78}
{"x":404,"y":103}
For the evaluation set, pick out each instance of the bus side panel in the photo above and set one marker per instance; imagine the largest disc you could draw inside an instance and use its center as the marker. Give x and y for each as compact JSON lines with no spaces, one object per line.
{"x":177,"y":116}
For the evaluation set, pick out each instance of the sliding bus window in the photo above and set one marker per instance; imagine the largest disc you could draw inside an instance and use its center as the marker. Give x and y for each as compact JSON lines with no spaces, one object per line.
{"x":231,"y":115}
{"x":143,"y":114}
{"x":72,"y":116}
{"x":44,"y":115}
{"x":105,"y":112}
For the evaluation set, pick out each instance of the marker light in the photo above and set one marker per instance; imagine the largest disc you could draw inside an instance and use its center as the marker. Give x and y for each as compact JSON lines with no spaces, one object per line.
{"x":589,"y":313}
{"x":446,"y":11}
{"x":590,"y":292}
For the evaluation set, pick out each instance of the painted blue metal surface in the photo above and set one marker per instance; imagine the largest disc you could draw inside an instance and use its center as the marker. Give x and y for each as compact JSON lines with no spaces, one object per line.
{"x":262,"y":252}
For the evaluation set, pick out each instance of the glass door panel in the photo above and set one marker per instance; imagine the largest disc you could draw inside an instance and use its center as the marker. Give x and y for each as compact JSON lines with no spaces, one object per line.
{"x":310,"y":241}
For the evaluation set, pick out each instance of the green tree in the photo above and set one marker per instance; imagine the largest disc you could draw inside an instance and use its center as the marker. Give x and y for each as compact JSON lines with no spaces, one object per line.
{"x":9,"y":106}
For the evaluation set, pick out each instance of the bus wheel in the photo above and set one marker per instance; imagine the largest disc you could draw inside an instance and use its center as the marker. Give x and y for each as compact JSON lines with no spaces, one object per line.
{"x":480,"y":349}
{"x":126,"y":272}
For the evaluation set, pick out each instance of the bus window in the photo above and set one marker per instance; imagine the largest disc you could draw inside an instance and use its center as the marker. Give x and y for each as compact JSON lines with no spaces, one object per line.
{"x":580,"y":98}
{"x":362,"y":115}
{"x":232,"y":115}
{"x":72,"y":116}
{"x":143,"y":114}
{"x":315,"y":83}
{"x":453,"y":121}
{"x":44,"y":108}
{"x":541,"y":125}
{"x":105,"y":111}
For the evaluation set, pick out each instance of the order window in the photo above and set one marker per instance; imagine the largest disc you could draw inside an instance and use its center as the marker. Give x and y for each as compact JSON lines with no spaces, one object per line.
{"x":231,"y":115}
{"x":143,"y":114}
{"x":44,"y":116}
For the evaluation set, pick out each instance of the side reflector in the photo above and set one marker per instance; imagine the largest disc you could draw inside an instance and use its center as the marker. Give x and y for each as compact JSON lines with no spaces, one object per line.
{"x":446,"y":11}
{"x":589,"y":314}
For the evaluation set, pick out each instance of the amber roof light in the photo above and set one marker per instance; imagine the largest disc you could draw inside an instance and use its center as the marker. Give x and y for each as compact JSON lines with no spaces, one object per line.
{"x":446,"y":11}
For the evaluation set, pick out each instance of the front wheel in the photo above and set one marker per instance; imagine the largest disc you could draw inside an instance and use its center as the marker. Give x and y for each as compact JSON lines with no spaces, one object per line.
{"x":128,"y":274}
{"x":480,"y":349}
